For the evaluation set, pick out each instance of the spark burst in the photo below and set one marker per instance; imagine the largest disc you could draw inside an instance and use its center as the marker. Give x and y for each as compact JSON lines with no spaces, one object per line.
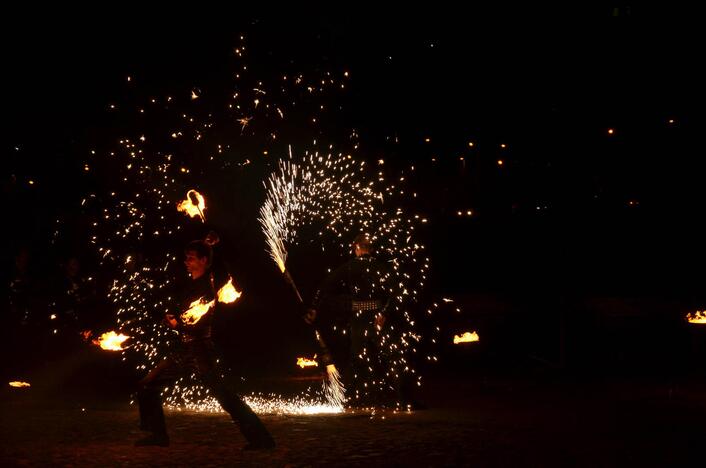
{"x":339,"y":196}
{"x":144,"y":173}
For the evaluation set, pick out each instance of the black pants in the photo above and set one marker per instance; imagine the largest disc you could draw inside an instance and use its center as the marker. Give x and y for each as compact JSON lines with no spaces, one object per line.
{"x":364,"y":372}
{"x":198,"y":357}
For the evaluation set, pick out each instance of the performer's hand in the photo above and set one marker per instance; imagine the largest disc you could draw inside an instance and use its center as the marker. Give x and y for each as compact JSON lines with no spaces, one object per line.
{"x":170,"y":321}
{"x":310,"y":316}
{"x":379,"y":321}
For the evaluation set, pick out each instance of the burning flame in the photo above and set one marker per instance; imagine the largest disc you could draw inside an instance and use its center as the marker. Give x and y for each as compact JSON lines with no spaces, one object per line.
{"x":193,"y":209}
{"x":197,"y":309}
{"x":19,"y":384}
{"x":304,"y":362}
{"x":228,"y":294}
{"x":697,"y":317}
{"x":111,"y":341}
{"x":467,"y":337}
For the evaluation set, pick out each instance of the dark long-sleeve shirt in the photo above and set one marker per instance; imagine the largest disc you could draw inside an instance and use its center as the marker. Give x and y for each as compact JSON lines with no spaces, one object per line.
{"x":360,"y":279}
{"x":203,"y":288}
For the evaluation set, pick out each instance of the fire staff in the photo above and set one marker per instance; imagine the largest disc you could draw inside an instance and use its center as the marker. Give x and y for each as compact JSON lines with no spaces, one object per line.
{"x":353,"y":300}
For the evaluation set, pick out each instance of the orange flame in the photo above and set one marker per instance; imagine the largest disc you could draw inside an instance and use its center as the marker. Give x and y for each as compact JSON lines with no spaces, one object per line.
{"x":304,"y":362}
{"x":197,"y":309}
{"x":19,"y":384}
{"x":467,"y":337}
{"x":228,"y":294}
{"x":191,"y":209}
{"x":697,"y":317}
{"x":111,"y":341}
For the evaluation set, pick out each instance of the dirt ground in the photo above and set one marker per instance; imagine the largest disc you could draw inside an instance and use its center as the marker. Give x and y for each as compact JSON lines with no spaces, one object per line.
{"x":503,"y":420}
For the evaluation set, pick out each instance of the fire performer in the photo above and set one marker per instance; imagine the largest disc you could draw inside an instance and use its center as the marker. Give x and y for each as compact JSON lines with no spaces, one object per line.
{"x":196,"y":355}
{"x":353,"y":299}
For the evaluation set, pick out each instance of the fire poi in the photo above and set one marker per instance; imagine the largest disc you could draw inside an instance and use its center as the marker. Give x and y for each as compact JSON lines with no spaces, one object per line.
{"x":111,"y":341}
{"x":194,"y":205}
{"x":467,"y":337}
{"x":305,"y":362}
{"x":19,"y":384}
{"x":698,"y":317}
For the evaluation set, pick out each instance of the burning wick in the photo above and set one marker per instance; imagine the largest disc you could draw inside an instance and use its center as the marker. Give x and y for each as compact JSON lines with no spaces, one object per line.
{"x":111,"y":341}
{"x":697,"y":317}
{"x":304,"y":362}
{"x":194,"y":205}
{"x":19,"y":384}
{"x":467,"y":337}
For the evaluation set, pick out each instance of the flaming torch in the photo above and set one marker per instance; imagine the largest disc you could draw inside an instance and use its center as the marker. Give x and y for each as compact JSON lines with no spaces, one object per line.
{"x":697,"y":317}
{"x":304,"y":362}
{"x":19,"y":384}
{"x":467,"y":337}
{"x":194,"y":205}
{"x":111,"y":341}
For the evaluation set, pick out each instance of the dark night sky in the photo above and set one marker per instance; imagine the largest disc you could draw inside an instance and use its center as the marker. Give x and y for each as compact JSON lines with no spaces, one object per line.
{"x":548,"y":81}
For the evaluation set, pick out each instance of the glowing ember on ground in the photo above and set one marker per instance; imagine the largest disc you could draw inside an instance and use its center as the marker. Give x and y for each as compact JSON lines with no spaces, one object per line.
{"x":228,"y":294}
{"x":267,"y":404}
{"x":111,"y":341}
{"x":304,"y":362}
{"x":197,"y":309}
{"x":19,"y":384}
{"x":697,"y":317}
{"x":194,"y":205}
{"x":467,"y":337}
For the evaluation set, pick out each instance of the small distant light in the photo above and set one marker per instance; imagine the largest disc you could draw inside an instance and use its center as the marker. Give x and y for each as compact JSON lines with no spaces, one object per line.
{"x":610,"y":131}
{"x":469,"y":213}
{"x":381,"y":161}
{"x":671,"y":121}
{"x":129,"y":78}
{"x":427,"y":140}
{"x":459,"y":213}
{"x":265,"y":152}
{"x":500,"y":162}
{"x":345,"y":73}
{"x":470,"y":143}
{"x":503,"y":145}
